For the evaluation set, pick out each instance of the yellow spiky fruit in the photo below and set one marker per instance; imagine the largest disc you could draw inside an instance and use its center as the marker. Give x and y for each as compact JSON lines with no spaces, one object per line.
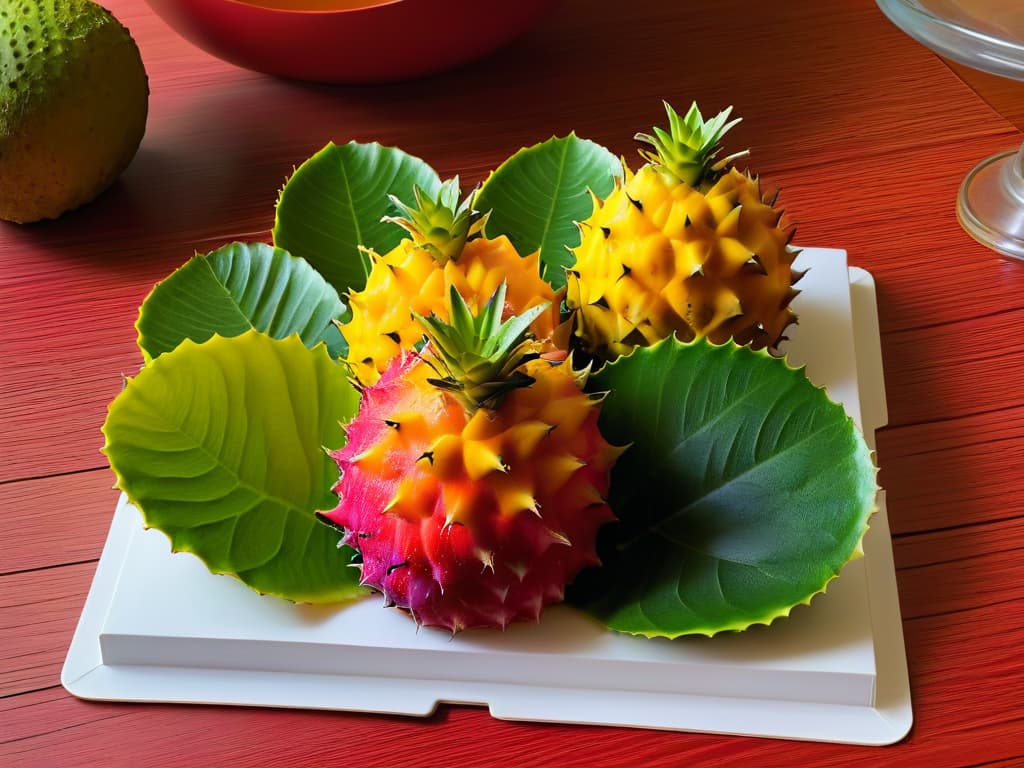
{"x":445,"y":249}
{"x":687,"y":246}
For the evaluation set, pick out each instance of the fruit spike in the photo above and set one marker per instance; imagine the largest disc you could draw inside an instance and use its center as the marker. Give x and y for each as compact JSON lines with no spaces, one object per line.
{"x":440,"y":225}
{"x":474,"y":478}
{"x":688,"y":148}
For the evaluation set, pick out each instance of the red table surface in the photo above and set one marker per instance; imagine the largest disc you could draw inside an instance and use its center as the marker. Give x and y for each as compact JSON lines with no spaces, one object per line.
{"x":866,"y":133}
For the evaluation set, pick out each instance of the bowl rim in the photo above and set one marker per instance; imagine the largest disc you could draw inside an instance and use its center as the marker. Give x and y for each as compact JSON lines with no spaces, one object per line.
{"x":371,"y":5}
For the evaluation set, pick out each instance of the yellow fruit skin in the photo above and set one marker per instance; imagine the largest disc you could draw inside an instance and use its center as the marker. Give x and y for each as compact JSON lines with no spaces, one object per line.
{"x":77,"y":121}
{"x":409,"y":280}
{"x":659,"y":257}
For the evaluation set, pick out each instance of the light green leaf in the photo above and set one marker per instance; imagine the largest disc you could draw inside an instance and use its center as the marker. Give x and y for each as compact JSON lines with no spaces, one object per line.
{"x":220,"y":445}
{"x":334,"y":203}
{"x":234,"y":289}
{"x":537,"y":196}
{"x":744,"y":493}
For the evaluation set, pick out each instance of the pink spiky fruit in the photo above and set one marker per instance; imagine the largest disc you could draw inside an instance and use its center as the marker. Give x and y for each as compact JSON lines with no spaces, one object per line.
{"x":474,"y":478}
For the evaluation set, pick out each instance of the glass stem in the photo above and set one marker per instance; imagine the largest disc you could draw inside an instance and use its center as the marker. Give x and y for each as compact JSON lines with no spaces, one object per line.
{"x":1013,"y":178}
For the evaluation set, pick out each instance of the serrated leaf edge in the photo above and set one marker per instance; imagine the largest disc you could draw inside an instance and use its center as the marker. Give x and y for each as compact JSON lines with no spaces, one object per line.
{"x":196,"y":256}
{"x":359,"y":592}
{"x":858,"y":549}
{"x":525,"y":150}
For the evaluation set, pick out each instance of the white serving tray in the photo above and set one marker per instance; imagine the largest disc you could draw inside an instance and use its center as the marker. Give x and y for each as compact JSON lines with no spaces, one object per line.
{"x":160,"y":627}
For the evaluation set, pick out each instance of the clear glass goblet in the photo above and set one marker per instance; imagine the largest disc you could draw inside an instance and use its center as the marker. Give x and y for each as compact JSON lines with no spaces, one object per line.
{"x":987,"y":35}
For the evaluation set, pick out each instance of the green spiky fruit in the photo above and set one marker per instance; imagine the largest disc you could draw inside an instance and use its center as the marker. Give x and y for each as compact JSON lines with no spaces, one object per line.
{"x":73,"y":104}
{"x":688,"y":245}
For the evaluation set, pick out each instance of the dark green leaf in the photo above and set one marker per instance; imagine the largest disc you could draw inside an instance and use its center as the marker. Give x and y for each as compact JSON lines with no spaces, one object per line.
{"x":744,"y":493}
{"x":537,"y":196}
{"x":334,"y":203}
{"x":234,"y":289}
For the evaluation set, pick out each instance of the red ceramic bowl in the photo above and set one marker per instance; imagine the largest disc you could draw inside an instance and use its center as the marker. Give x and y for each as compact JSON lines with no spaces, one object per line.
{"x":377,"y":42}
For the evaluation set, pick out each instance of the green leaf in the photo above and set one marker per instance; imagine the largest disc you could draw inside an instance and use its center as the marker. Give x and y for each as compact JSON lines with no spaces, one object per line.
{"x":234,"y":289}
{"x":537,"y":196}
{"x":744,"y":493}
{"x":220,"y":446}
{"x":334,"y":203}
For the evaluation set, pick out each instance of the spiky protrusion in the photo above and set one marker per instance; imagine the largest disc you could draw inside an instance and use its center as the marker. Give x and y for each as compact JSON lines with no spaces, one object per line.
{"x":688,"y":245}
{"x":473,"y":505}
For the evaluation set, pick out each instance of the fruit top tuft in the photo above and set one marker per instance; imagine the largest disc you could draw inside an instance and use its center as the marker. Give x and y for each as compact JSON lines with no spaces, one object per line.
{"x":440,"y":225}
{"x":477,"y":358}
{"x":688,"y":149}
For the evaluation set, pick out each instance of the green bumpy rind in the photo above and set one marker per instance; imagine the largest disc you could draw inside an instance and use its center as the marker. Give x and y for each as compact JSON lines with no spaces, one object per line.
{"x":745,"y":492}
{"x":220,"y":445}
{"x":29,"y":29}
{"x":235,"y":288}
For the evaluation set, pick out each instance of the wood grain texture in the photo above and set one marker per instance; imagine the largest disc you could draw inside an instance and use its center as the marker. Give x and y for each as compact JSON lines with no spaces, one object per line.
{"x":954,"y":472}
{"x":866,"y":134}
{"x":39,"y":610}
{"x":1005,"y":96}
{"x":55,"y":520}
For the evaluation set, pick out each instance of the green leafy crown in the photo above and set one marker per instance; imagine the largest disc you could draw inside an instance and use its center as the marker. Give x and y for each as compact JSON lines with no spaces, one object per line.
{"x":688,"y":149}
{"x":476,"y":357}
{"x":440,"y":224}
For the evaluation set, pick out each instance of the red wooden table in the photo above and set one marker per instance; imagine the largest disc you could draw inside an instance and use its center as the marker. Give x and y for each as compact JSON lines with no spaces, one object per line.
{"x":867,"y":134}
